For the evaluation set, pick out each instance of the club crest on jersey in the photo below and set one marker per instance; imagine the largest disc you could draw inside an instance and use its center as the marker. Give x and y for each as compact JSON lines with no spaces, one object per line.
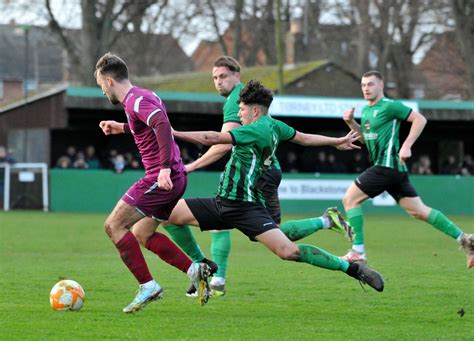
{"x":375,"y":113}
{"x":367,"y":134}
{"x":367,"y":125}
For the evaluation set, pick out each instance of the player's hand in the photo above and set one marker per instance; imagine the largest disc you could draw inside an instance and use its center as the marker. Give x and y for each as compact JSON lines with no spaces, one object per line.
{"x":189,"y":168}
{"x":111,"y":127}
{"x":404,"y":154}
{"x":348,"y":115}
{"x":164,"y":179}
{"x":347,"y":142}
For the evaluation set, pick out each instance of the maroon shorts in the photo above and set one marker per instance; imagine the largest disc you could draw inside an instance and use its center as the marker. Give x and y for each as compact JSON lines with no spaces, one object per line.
{"x":152,"y":201}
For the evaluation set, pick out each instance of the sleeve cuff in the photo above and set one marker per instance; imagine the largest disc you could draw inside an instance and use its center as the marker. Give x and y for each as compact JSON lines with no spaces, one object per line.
{"x":234,"y":142}
{"x":408,"y":114}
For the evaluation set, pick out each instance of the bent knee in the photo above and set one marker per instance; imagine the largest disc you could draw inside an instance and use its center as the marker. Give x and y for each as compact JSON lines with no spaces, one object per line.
{"x":289,"y":253}
{"x":420,"y":215}
{"x":141,"y":236}
{"x":110,"y":228}
{"x":349,"y":202}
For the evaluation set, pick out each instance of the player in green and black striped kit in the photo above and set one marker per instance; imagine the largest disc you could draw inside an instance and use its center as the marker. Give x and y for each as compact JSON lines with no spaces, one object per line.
{"x":240,"y":202}
{"x":226,"y":77}
{"x":379,"y":130}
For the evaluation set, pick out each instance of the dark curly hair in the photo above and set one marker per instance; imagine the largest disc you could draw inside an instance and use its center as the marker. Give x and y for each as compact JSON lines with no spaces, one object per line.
{"x":255,"y":93}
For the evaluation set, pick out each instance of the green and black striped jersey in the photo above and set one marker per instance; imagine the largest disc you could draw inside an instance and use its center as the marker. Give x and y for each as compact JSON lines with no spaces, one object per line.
{"x":231,"y":113}
{"x":380,"y":125}
{"x":253,"y":152}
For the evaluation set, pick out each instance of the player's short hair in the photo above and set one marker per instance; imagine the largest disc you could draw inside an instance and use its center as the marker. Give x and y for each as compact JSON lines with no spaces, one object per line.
{"x":112,"y":65}
{"x":374,"y":73}
{"x":227,"y":61}
{"x":255,"y":93}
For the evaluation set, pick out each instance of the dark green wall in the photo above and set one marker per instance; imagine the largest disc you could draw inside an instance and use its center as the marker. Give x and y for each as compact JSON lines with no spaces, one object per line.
{"x":99,"y":190}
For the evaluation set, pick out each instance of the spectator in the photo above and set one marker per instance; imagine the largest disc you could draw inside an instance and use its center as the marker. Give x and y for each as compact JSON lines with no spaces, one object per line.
{"x":63,"y":162}
{"x":292,"y":162}
{"x":450,"y":166}
{"x":5,"y":157}
{"x":358,"y":163}
{"x":119,"y":163}
{"x":91,"y":158}
{"x":80,"y":161}
{"x":322,"y":165}
{"x":422,"y":166}
{"x":111,"y":159}
{"x":335,"y":166}
{"x":467,"y":167}
{"x":185,"y":155}
{"x":71,"y":153}
{"x":134,"y":165}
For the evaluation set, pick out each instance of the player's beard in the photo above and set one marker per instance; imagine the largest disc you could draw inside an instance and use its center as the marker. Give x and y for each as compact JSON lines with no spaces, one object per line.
{"x":113,"y":99}
{"x":223,"y":92}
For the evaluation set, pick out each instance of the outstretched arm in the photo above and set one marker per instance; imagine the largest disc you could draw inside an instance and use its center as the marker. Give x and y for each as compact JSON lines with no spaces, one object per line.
{"x":216,"y":152}
{"x":341,"y":143}
{"x":206,"y":138}
{"x":418,"y":122}
{"x":348,"y":118}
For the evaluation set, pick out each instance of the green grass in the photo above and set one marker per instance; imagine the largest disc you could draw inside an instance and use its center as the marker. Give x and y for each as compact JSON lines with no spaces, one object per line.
{"x":426,"y":284}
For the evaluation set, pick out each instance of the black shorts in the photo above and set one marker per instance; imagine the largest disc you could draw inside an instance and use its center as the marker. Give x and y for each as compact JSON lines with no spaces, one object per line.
{"x":268,"y":183}
{"x":378,"y":179}
{"x":222,"y":214}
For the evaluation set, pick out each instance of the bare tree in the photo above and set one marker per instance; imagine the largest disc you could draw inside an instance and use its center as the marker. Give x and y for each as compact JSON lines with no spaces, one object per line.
{"x":463,"y":14}
{"x":239,"y":6}
{"x":102,"y":23}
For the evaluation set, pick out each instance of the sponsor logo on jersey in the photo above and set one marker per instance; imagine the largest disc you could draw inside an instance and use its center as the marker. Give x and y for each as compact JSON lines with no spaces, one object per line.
{"x":370,"y":136}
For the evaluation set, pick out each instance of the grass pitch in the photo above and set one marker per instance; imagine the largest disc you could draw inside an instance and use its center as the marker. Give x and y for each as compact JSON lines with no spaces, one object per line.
{"x":426,"y":285}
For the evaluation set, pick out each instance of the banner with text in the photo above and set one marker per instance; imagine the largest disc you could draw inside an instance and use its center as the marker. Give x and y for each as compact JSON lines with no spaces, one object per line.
{"x":323,"y":190}
{"x":298,"y":106}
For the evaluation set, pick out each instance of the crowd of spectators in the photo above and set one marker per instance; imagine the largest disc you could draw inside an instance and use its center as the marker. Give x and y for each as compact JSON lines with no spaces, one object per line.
{"x":6,"y":157}
{"x":313,"y":160}
{"x":74,"y":158}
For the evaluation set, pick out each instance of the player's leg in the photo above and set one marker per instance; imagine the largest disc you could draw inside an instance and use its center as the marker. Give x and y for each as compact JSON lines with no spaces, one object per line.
{"x":415,"y":207}
{"x":182,"y":217}
{"x":279,"y":244}
{"x":184,"y":238}
{"x":332,"y":219}
{"x":158,"y":243}
{"x":220,"y":250}
{"x":352,"y":201}
{"x":116,"y":226}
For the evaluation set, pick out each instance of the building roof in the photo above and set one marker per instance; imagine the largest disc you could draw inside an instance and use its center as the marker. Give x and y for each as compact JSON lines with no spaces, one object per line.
{"x":202,"y":81}
{"x":45,"y":55}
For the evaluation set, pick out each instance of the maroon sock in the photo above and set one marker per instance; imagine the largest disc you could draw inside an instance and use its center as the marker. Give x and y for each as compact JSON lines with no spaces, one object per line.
{"x":165,"y":249}
{"x":132,"y":256}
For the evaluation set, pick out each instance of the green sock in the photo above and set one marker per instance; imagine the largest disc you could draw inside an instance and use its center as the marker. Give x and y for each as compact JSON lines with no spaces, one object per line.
{"x":298,"y":229}
{"x":356,"y":219}
{"x":442,"y":223}
{"x":220,"y":249}
{"x":183,"y":236}
{"x":318,"y":257}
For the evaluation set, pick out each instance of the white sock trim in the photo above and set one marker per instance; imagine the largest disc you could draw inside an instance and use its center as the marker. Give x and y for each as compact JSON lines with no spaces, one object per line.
{"x":359,"y":248}
{"x":218,"y":281}
{"x":326,"y":222}
{"x":149,"y":284}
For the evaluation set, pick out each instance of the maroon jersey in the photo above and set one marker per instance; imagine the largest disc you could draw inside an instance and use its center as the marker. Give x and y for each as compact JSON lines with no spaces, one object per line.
{"x":151,"y":129}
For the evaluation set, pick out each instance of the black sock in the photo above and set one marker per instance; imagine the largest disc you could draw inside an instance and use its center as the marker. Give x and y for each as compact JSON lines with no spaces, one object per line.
{"x":352,"y":270}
